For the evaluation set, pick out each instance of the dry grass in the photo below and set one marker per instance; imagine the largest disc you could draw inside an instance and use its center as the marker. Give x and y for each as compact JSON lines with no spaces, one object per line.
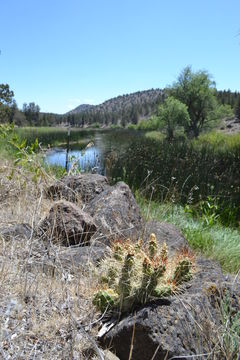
{"x":46,"y":310}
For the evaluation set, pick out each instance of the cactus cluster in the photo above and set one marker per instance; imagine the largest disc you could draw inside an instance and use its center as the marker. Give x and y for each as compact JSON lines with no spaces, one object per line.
{"x":138,"y":273}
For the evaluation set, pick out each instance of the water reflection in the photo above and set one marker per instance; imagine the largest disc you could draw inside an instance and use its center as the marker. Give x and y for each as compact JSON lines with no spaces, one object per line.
{"x":90,"y":159}
{"x":99,"y":157}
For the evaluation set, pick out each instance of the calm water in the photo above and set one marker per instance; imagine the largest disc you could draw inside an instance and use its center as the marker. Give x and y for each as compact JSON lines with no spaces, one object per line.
{"x":104,"y":149}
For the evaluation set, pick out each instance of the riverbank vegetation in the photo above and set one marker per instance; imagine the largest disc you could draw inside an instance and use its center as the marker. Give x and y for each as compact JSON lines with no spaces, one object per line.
{"x":204,"y":232}
{"x":193,"y":184}
{"x":185,"y":173}
{"x":175,"y":158}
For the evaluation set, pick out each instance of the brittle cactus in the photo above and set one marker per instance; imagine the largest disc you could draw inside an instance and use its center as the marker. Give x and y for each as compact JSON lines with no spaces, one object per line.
{"x":124,"y":285}
{"x":152,"y":246}
{"x":137,"y":274}
{"x":105,"y":299}
{"x":183,"y":271}
{"x":164,"y":253}
{"x":118,"y":252}
{"x":151,"y":275}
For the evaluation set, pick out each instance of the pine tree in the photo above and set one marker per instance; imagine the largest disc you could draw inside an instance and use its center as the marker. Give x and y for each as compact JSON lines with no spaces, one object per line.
{"x":237,"y":109}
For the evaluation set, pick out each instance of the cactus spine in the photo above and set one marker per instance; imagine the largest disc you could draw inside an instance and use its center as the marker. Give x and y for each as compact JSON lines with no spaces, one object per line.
{"x":182,"y":272}
{"x":125,"y":279}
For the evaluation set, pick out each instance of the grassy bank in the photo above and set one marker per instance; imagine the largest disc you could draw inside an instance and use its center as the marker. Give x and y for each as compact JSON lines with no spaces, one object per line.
{"x":188,"y":170}
{"x":53,"y":136}
{"x":215,"y":241}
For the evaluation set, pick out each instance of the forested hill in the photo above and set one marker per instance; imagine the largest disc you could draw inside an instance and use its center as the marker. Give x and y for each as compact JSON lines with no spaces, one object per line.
{"x":121,"y":110}
{"x":118,"y":111}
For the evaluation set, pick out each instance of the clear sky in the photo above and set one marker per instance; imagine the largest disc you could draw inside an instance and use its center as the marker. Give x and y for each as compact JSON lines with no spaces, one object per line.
{"x":62,"y":53}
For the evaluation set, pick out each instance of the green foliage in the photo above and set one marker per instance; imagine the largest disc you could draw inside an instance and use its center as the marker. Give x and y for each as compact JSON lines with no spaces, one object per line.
{"x":217,"y":241}
{"x":173,"y":113}
{"x":155,"y":135}
{"x":218,"y":143}
{"x":104,"y":300}
{"x":207,"y":210}
{"x":197,"y":92}
{"x":52,"y":136}
{"x":237,"y":109}
{"x":7,"y":104}
{"x":115,"y":126}
{"x":223,"y":111}
{"x":132,"y":127}
{"x":148,"y":124}
{"x":137,"y":273}
{"x":95,"y":125}
{"x":23,"y":154}
{"x":199,"y":165}
{"x":228,"y":97}
{"x":216,"y":116}
{"x":32,"y":113}
{"x":231,"y":328}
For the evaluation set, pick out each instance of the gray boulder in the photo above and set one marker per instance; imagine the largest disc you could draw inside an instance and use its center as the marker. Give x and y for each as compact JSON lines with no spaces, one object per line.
{"x":66,"y":224}
{"x":116,"y":214}
{"x":166,"y":233}
{"x":80,"y":257}
{"x":78,"y":188}
{"x":68,"y":260}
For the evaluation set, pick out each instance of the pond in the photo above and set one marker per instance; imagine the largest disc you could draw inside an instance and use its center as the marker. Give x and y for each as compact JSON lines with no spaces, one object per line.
{"x":95,"y":155}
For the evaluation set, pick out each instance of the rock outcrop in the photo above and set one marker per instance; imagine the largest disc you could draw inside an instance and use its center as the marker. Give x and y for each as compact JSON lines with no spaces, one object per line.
{"x":109,"y":212}
{"x":188,"y":323}
{"x":183,"y":325}
{"x":66,"y":224}
{"x":81,"y":257}
{"x":116,"y":214}
{"x":78,"y":188}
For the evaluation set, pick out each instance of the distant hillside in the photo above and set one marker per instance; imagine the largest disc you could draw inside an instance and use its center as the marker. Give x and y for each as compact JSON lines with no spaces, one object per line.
{"x":121,"y":110}
{"x":81,"y":108}
{"x":118,"y":111}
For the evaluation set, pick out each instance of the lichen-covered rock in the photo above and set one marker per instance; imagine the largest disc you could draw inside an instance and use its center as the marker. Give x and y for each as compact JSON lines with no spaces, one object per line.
{"x":116,"y":214}
{"x":78,"y":188}
{"x":66,"y":224}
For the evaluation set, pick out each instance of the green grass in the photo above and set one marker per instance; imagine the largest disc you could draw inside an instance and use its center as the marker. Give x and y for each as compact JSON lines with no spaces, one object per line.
{"x":53,"y":135}
{"x":216,"y":241}
{"x":218,"y":142}
{"x":4,"y":153}
{"x":155,"y":135}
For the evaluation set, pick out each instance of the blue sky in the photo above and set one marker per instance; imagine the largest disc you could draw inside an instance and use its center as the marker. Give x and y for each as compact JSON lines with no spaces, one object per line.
{"x":61,"y":53}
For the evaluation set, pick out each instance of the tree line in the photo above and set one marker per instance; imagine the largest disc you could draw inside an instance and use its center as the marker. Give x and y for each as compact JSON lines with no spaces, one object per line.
{"x":191,"y":102}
